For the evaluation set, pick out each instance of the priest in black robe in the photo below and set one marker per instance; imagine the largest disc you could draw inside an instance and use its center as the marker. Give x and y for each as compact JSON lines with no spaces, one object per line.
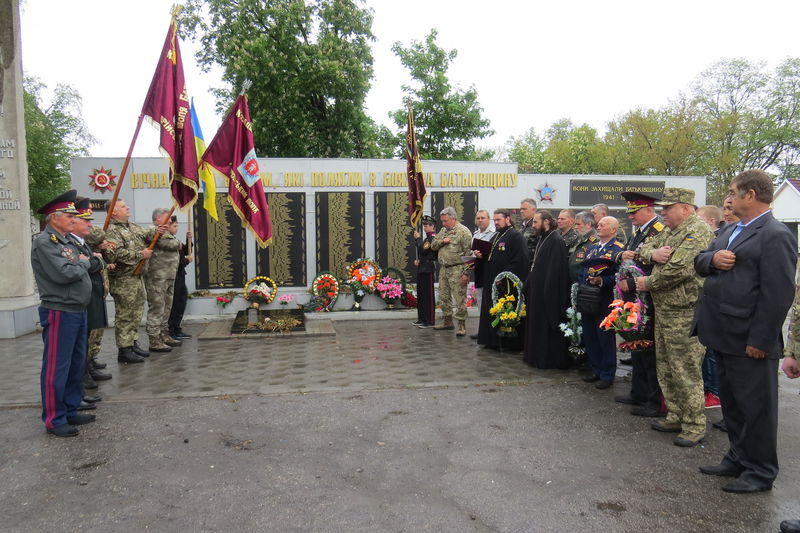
{"x":508,"y":253}
{"x":547,"y":296}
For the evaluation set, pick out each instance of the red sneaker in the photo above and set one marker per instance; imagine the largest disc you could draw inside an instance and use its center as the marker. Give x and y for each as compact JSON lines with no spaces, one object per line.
{"x":712,"y":401}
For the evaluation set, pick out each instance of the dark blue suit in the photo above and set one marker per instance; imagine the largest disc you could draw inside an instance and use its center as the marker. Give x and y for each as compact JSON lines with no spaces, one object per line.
{"x":601,"y":345}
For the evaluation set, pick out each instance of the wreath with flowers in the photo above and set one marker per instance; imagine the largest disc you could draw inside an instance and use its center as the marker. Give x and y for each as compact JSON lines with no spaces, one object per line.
{"x":629,"y":317}
{"x":325,"y":289}
{"x":260,"y":290}
{"x":364,"y":272}
{"x":506,"y":311}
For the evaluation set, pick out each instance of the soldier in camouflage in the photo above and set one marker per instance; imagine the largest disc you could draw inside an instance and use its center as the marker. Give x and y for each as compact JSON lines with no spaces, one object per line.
{"x":566,"y":227}
{"x":675,"y":287}
{"x":126,"y":288}
{"x":452,"y":243}
{"x":527,"y":208}
{"x":159,"y":280}
{"x":587,"y":237}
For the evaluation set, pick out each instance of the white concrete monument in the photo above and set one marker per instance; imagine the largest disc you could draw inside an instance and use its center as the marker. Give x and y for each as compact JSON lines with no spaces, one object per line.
{"x":17,"y":303}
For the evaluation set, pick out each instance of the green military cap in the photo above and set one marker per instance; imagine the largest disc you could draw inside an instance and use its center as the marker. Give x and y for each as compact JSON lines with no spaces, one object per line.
{"x":676,"y":195}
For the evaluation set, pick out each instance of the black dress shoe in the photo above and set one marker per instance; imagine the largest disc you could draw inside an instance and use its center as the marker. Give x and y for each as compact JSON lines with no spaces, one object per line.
{"x":720,"y":425}
{"x":790,"y":526}
{"x":92,"y":399}
{"x":79,"y":420}
{"x":603,"y":384}
{"x":721,"y":470}
{"x":743,"y":486}
{"x":590,"y":379}
{"x":86,"y":406}
{"x":97,"y":375}
{"x":651,"y":412}
{"x":126,"y":355}
{"x":64,"y":430}
{"x":474,"y":336}
{"x":626,"y":399}
{"x":138,"y":350}
{"x":181,"y":336}
{"x":88,"y":382}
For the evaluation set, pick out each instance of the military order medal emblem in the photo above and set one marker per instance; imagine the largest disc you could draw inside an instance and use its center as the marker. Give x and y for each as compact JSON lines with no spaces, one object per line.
{"x":546,"y":193}
{"x":102,"y":180}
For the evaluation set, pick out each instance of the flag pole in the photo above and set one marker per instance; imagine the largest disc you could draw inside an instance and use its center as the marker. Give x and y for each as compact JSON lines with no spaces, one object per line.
{"x":140,"y":266}
{"x":110,"y":209}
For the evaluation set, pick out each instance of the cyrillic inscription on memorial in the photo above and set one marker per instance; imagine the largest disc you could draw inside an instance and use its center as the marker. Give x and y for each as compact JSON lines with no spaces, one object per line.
{"x":609,"y":192}
{"x":284,"y":260}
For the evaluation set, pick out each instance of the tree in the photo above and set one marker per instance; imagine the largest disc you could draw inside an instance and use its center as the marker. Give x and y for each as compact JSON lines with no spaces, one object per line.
{"x":310,"y":63}
{"x":447,"y":120}
{"x":54,"y":134}
{"x":527,"y":151}
{"x":574,"y":150}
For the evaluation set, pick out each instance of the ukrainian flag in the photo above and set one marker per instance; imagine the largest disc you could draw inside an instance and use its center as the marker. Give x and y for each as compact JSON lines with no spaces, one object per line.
{"x":207,"y":184}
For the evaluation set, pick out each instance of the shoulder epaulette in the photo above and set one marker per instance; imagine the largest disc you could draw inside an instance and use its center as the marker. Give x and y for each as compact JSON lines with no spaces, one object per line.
{"x":618,"y":244}
{"x":593,"y":238}
{"x":54,"y":238}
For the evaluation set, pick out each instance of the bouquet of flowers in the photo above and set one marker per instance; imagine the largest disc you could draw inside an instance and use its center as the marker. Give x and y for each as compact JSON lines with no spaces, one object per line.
{"x":409,"y":298}
{"x":223,"y":301}
{"x":260,"y":293}
{"x":472,"y":292}
{"x":389,"y":288}
{"x":630,"y":322}
{"x":286,"y":299}
{"x":572,"y":328}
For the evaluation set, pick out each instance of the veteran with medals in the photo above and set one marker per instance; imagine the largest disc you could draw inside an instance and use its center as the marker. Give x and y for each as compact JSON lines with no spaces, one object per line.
{"x":62,"y":278}
{"x":645,"y":394}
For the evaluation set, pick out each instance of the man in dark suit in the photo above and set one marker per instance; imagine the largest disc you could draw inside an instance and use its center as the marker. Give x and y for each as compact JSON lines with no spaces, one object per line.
{"x":749,"y":270}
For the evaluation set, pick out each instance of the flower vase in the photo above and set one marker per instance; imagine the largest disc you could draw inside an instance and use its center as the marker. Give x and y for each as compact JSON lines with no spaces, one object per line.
{"x":255,"y":305}
{"x":357,"y":298}
{"x":507,"y":331}
{"x":391,"y":303}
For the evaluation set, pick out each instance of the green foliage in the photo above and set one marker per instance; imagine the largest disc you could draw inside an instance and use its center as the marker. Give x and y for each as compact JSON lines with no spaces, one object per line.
{"x":311,"y":66}
{"x":447,"y":120}
{"x":54,"y":134}
{"x":527,"y":151}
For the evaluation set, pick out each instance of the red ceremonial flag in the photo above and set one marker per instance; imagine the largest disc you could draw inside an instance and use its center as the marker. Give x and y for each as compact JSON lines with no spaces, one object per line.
{"x":232,"y":153}
{"x":416,"y":181}
{"x":167,"y":107}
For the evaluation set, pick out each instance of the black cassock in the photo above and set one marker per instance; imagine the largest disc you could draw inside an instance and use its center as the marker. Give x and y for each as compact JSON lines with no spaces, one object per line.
{"x":509,"y":254}
{"x":547,"y":297}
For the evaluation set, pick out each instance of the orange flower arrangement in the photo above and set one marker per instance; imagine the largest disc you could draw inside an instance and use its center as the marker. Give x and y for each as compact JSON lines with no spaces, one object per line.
{"x":629,"y":321}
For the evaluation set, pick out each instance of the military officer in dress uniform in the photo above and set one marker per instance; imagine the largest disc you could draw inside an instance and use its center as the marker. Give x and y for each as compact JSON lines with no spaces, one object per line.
{"x":645,"y":393}
{"x":62,"y":277}
{"x":426,"y":266}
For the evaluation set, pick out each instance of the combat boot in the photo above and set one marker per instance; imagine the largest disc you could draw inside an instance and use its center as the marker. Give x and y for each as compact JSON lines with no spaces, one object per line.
{"x":138,"y":350}
{"x":169,"y":341}
{"x":156,"y":344}
{"x":446,"y":324}
{"x":687,"y":440}
{"x":88,"y":382}
{"x":96,"y":373}
{"x":126,"y":355}
{"x":462,"y":328}
{"x":97,"y":364}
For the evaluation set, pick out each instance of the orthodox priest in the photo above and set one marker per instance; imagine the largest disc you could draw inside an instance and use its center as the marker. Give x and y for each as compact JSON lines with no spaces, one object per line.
{"x":547,"y":297}
{"x":508,"y":253}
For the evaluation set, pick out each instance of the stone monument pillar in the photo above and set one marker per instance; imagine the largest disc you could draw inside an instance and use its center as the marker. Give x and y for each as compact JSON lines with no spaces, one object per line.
{"x":16,"y":276}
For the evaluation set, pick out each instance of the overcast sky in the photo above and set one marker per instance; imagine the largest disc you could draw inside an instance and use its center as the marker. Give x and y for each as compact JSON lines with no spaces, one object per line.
{"x":531,"y":62}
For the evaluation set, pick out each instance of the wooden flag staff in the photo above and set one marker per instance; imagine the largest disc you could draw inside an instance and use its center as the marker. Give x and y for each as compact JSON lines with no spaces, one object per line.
{"x":164,"y":220}
{"x":110,"y":208}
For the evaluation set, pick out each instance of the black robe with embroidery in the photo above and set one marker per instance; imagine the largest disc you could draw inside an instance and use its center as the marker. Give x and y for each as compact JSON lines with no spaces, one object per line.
{"x":547,"y":298}
{"x":509,"y":254}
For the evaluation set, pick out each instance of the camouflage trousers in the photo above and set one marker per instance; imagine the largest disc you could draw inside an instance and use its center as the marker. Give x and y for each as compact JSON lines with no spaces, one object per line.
{"x":128,"y":294}
{"x":452,"y":293}
{"x":95,"y":340}
{"x":679,"y":359}
{"x":159,"y":304}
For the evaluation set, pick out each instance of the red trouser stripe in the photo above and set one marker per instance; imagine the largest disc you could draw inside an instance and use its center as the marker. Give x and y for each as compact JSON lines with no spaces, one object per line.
{"x":54,"y":318}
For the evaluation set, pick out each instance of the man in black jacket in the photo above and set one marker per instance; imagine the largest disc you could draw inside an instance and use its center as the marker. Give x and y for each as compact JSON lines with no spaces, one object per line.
{"x":749,"y":270}
{"x":426,"y":267}
{"x":180,"y":292}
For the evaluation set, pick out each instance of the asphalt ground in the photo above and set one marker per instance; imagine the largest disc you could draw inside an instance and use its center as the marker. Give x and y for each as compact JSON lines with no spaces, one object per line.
{"x":381,"y":428}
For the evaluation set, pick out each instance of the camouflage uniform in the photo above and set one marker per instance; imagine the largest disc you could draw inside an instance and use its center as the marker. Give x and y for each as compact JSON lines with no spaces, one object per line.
{"x":675,"y":287}
{"x":159,"y":281}
{"x":95,"y":238}
{"x":531,"y":239}
{"x":578,"y":254}
{"x":126,"y":288}
{"x":452,"y":267}
{"x":571,"y":239}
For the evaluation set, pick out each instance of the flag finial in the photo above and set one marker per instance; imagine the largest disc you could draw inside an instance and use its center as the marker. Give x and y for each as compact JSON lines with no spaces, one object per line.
{"x":246,"y":84}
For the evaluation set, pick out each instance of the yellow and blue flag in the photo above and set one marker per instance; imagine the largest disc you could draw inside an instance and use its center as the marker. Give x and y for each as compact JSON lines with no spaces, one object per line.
{"x":207,"y":184}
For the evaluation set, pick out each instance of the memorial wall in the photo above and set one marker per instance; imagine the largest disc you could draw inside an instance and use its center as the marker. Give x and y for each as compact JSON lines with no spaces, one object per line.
{"x":328,"y":212}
